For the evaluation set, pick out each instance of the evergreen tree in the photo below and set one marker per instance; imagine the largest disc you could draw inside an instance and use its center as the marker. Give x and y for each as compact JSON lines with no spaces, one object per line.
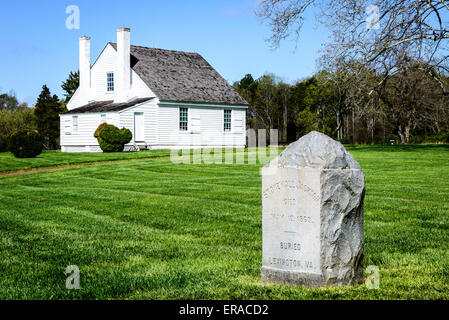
{"x":70,"y":85}
{"x":47,"y":110}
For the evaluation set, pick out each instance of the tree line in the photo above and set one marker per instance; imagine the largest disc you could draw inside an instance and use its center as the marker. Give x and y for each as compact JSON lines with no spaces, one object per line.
{"x":346,"y":101}
{"x":348,"y":105}
{"x":42,"y":118}
{"x":386,"y":66}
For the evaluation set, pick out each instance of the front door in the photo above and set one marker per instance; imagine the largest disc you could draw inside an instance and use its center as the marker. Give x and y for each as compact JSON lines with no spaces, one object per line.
{"x":139,"y":135}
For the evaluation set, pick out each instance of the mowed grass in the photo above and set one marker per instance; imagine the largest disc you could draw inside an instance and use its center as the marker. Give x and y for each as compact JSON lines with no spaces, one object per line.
{"x":53,"y":158}
{"x":150,"y":229}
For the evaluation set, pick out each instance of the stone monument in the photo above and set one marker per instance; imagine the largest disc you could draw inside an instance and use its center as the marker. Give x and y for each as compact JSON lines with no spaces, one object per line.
{"x":312,"y":215}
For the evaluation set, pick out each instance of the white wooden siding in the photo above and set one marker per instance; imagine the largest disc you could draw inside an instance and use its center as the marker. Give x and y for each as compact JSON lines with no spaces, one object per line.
{"x":206,"y":126}
{"x":105,"y":63}
{"x":87,"y":124}
{"x":75,"y":101}
{"x":150,"y":120}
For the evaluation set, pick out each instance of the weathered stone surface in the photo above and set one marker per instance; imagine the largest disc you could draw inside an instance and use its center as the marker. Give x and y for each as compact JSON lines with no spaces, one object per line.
{"x":316,"y":150}
{"x":312,"y":215}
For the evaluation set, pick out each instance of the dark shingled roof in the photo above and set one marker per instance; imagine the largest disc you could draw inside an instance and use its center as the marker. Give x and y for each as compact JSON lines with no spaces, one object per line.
{"x":181,"y":76}
{"x":105,"y":106}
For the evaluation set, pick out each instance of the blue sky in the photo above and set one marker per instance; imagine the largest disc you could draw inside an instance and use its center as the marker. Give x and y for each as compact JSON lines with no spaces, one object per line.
{"x":36,"y":48}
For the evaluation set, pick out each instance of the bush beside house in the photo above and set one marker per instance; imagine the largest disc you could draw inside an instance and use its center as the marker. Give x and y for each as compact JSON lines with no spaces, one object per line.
{"x":112,"y":139}
{"x":97,"y":132}
{"x":25,"y":144}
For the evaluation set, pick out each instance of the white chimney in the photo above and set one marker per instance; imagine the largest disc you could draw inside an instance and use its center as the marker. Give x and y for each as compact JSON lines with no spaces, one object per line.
{"x":84,"y":61}
{"x":122,"y":91}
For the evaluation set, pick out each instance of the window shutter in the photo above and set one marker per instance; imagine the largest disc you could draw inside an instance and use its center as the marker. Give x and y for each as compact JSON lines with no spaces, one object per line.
{"x":237,"y":121}
{"x":67,"y":126}
{"x":195,"y":123}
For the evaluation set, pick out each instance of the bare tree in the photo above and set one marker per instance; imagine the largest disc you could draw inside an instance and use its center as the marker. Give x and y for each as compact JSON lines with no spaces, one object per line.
{"x":412,"y":102}
{"x":282,"y":94}
{"x":383,"y":34}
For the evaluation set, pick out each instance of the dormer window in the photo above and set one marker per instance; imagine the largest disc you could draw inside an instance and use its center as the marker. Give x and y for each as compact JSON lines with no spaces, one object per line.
{"x":110,"y":81}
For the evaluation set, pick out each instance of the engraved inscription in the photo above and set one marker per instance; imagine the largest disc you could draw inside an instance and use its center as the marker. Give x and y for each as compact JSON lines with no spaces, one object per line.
{"x":291,"y":184}
{"x":289,"y":202}
{"x":290,"y":246}
{"x":289,"y":262}
{"x":290,"y":217}
{"x":291,"y":220}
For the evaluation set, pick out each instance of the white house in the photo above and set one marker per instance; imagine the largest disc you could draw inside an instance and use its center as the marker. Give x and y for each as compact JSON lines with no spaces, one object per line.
{"x":168,"y":99}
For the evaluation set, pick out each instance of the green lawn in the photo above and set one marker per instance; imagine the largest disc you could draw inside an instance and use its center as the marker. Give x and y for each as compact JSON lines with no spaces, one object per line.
{"x":149,"y":229}
{"x":8,"y":163}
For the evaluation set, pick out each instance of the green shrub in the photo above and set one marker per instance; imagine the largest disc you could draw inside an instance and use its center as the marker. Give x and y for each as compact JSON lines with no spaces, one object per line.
{"x":435,"y":138}
{"x":344,"y":140}
{"x":97,"y":132}
{"x":416,"y":139}
{"x":12,"y":121}
{"x":126,"y":135}
{"x":113,"y":139}
{"x":4,"y":143}
{"x":110,"y":147}
{"x":25,"y":144}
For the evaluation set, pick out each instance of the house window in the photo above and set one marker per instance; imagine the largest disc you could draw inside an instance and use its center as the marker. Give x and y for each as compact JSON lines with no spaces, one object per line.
{"x":227,"y":120}
{"x":103,"y":118}
{"x":75,"y":123}
{"x":110,"y":81}
{"x":130,"y":76}
{"x":183,"y":119}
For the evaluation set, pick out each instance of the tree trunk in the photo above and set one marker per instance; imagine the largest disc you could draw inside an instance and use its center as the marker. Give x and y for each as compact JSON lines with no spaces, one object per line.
{"x":404,"y":134}
{"x":407,"y":134}
{"x":401,"y":135}
{"x":353,"y":127}
{"x":284,"y":133}
{"x":338,"y":126}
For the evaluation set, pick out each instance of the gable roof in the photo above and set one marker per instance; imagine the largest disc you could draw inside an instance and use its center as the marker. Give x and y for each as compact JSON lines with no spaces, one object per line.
{"x":181,"y":76}
{"x":106,"y":106}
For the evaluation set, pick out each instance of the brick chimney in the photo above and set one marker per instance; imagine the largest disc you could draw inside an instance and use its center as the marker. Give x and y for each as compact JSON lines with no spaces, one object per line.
{"x":84,"y":67}
{"x":123,"y":86}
